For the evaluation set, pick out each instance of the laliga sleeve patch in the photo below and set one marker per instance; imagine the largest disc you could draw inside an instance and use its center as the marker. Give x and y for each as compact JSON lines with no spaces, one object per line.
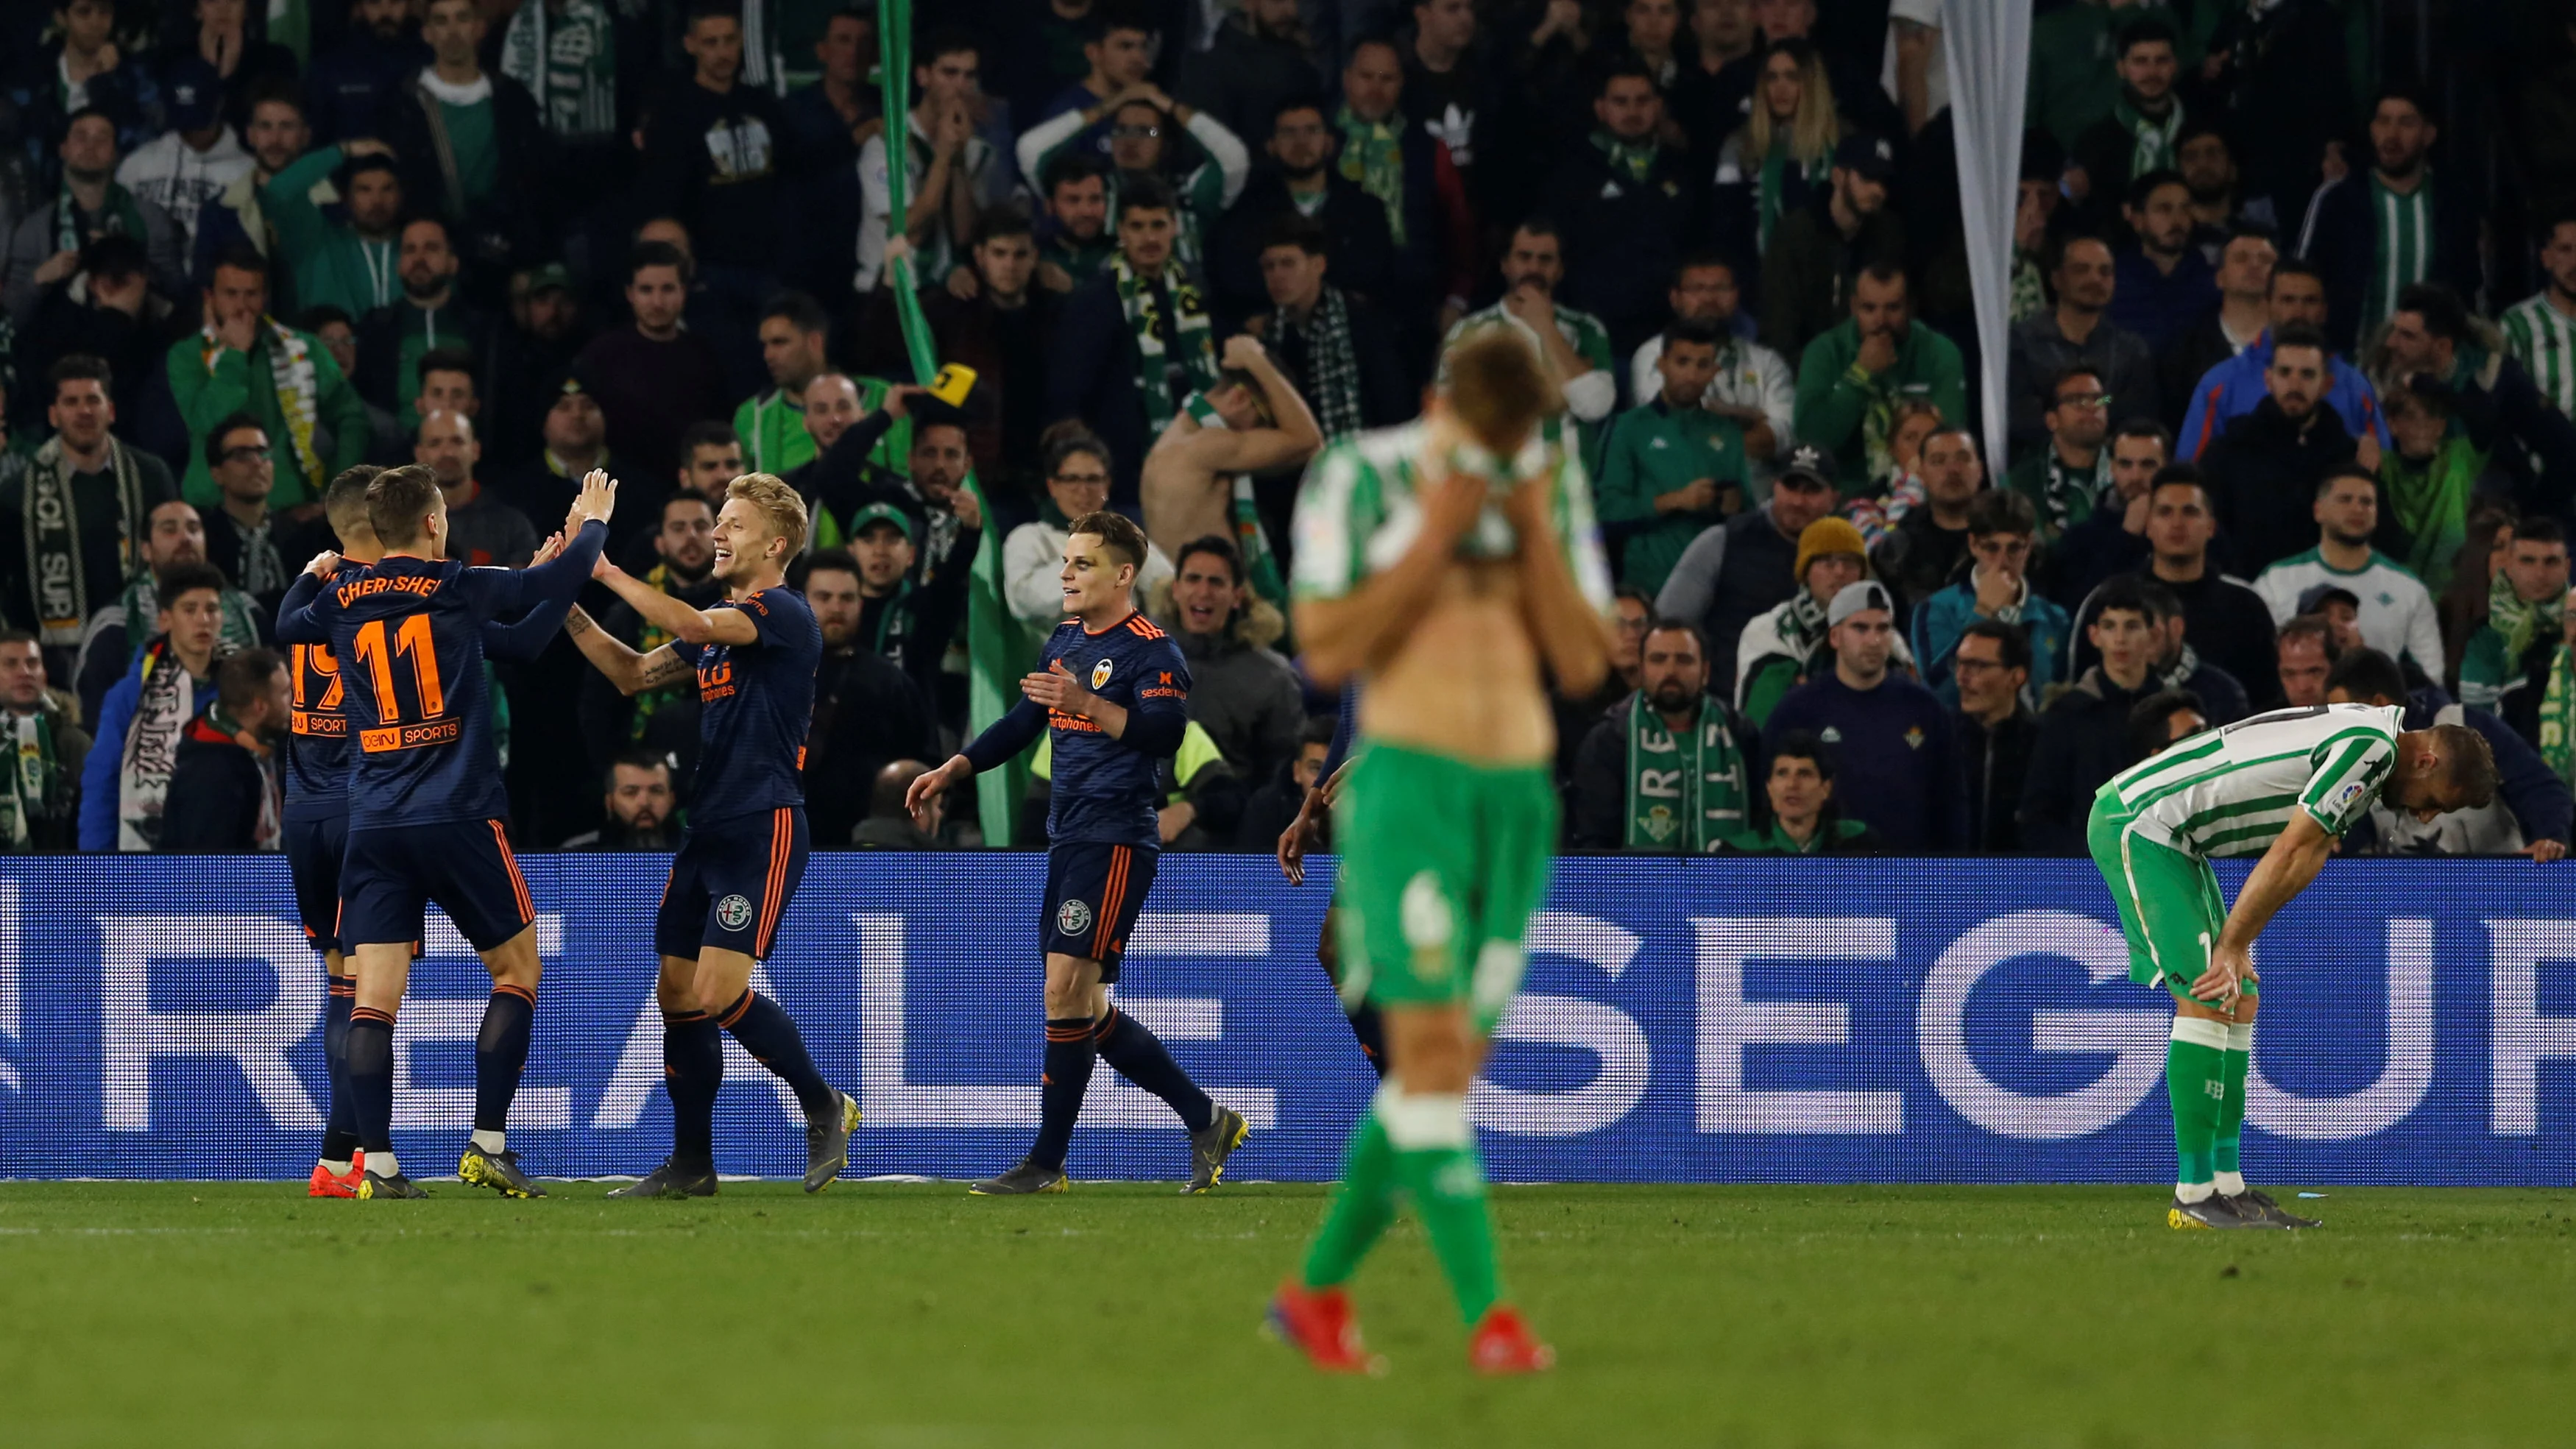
{"x":733,"y":912}
{"x":1072,"y":918}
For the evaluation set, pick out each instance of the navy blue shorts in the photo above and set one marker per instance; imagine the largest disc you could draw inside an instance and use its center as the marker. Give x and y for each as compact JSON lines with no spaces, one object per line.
{"x":730,"y":883}
{"x":313,"y":851}
{"x":1093,"y":892}
{"x":393,"y":873}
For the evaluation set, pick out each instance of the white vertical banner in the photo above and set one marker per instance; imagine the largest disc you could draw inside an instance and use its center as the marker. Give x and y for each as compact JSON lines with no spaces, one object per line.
{"x":1988,"y":45}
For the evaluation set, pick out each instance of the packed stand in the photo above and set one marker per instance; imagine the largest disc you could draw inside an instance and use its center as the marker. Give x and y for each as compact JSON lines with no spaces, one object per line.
{"x":2289,"y":378}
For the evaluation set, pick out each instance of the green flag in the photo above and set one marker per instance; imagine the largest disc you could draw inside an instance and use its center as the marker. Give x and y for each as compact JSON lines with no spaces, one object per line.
{"x":999,"y":647}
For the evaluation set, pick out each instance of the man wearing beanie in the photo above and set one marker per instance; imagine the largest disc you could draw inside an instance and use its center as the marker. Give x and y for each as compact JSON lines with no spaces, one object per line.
{"x":1779,"y":650}
{"x":1899,"y":769}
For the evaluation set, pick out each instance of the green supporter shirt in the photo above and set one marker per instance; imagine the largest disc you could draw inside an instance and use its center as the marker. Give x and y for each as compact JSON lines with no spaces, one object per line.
{"x":332,"y":265}
{"x":208,"y":390}
{"x":478,"y":156}
{"x":2543,"y":340}
{"x":1655,"y":450}
{"x":772,"y":428}
{"x":2487,"y":667}
{"x":1846,"y":409}
{"x":421,"y":335}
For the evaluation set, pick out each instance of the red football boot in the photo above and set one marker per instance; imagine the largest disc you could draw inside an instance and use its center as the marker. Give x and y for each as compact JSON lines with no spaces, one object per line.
{"x":325,"y":1185}
{"x":1320,"y":1325}
{"x":1504,"y":1345}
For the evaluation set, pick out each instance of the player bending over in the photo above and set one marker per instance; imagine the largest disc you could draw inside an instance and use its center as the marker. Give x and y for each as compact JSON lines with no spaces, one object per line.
{"x":426,"y":804}
{"x":753,"y":655}
{"x":316,"y":817}
{"x":1453,"y":564}
{"x":2285,"y":785}
{"x":1114,"y":691}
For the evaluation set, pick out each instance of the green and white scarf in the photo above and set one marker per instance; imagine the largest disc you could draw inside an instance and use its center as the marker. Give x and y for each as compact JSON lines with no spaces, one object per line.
{"x":2558,"y":715}
{"x":51,"y":522}
{"x":1685,"y":791}
{"x":1154,"y":362}
{"x":1373,"y":156}
{"x":1260,"y":561}
{"x":2520,"y":621}
{"x":2068,"y":497}
{"x":38,"y":787}
{"x":2154,"y":150}
{"x":1629,"y":159}
{"x":51,"y":517}
{"x":117,"y":216}
{"x":2029,"y":295}
{"x":299,"y":389}
{"x":1332,"y":365}
{"x":570,"y":62}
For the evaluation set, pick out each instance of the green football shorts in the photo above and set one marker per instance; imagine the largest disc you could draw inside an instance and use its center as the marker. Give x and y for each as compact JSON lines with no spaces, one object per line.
{"x":2169,"y":904}
{"x":1442,"y":864}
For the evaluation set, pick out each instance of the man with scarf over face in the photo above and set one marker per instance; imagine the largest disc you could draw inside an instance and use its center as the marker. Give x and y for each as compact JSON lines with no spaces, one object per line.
{"x":73,"y":523}
{"x":1663,"y":772}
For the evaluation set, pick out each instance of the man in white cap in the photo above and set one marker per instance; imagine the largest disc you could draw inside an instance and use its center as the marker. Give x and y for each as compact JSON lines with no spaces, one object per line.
{"x":1893,"y":740}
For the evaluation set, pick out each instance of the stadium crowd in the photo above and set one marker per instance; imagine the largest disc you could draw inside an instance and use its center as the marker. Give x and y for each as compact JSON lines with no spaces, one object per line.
{"x":2292,"y":362}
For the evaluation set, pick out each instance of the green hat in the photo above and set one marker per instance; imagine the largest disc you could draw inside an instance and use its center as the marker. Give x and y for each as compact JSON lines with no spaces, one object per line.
{"x":881,"y":513}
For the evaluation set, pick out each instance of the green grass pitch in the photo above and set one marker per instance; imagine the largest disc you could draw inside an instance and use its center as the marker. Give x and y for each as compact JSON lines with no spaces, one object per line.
{"x":910,"y":1315}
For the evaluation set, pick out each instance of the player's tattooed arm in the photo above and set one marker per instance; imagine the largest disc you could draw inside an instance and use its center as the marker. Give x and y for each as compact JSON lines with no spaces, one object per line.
{"x":631,"y":672}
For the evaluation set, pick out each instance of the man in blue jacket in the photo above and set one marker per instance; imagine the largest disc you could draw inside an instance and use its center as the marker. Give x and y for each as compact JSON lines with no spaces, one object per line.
{"x":2003,"y":531}
{"x":1900,"y":769}
{"x":2295,"y":296}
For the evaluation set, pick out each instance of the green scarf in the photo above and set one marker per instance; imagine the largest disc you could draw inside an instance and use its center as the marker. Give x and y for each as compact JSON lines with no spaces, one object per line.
{"x":1373,"y":156}
{"x":53,"y":527}
{"x":2521,"y":622}
{"x":1332,"y":366}
{"x":2155,"y":139}
{"x":39,"y":788}
{"x":117,"y":216}
{"x":649,"y":637}
{"x":2431,"y":501}
{"x":1685,"y":792}
{"x":2029,"y":296}
{"x":1260,"y":561}
{"x":1190,"y":337}
{"x":1636,"y":162}
{"x":1771,"y":186}
{"x":570,"y":62}
{"x":2558,"y":716}
{"x":2068,"y":498}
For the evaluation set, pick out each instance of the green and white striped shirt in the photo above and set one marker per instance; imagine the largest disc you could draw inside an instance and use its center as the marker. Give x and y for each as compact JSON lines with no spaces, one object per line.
{"x":2401,"y":252}
{"x":2543,"y":340}
{"x":2232,"y":791}
{"x":1358,"y":511}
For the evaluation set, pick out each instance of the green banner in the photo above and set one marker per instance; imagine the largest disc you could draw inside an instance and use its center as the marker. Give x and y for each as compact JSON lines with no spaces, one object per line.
{"x":999,"y":648}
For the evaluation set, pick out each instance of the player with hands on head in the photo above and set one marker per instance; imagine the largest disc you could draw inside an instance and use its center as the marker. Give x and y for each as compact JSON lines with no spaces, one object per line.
{"x":1111,"y":692}
{"x":753,"y":654}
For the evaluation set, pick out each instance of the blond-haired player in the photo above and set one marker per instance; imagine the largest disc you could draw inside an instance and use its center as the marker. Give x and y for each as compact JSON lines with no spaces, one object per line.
{"x":753,"y":655}
{"x":1454,"y":565}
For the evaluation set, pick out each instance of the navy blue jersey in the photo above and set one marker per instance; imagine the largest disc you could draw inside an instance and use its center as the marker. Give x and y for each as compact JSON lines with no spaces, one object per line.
{"x":755,"y":702}
{"x":1105,"y":790}
{"x":406,"y":635}
{"x":317,"y":744}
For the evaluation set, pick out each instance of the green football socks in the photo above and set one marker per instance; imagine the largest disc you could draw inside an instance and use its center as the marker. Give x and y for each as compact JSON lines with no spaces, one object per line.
{"x":1421,"y":1143}
{"x":2231,"y":1108}
{"x":2196,"y":1079}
